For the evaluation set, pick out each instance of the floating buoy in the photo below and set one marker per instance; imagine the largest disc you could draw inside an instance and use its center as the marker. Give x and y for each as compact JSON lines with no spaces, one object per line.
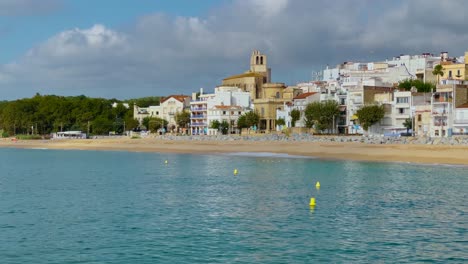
{"x":235,"y":171}
{"x":312,"y":201}
{"x":165,"y":162}
{"x":317,"y":185}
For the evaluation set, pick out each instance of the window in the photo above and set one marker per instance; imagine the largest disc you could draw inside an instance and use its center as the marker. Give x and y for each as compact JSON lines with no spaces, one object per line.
{"x":402,"y":100}
{"x":263,"y":111}
{"x":240,"y":113}
{"x":450,"y":74}
{"x":419,"y":118}
{"x":277,"y":95}
{"x":224,"y":112}
{"x":401,"y":111}
{"x":437,"y":133}
{"x":157,"y":112}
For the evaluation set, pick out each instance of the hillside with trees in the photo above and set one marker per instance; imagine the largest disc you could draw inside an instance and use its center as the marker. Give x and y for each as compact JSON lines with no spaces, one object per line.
{"x":45,"y":114}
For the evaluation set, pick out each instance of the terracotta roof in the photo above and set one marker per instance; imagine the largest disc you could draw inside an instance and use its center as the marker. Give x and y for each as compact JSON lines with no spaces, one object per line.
{"x":304,"y":95}
{"x":243,"y":75}
{"x":465,"y":105}
{"x":179,"y":98}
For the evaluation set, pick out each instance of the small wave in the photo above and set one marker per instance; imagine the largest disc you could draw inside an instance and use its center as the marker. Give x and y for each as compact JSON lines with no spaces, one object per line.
{"x":268,"y":155}
{"x":39,"y":148}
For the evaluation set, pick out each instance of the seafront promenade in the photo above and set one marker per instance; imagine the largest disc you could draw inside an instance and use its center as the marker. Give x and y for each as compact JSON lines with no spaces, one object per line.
{"x":452,"y":141}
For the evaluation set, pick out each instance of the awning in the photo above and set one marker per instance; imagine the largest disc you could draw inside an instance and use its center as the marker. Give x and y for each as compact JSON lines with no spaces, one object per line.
{"x":354,"y":117}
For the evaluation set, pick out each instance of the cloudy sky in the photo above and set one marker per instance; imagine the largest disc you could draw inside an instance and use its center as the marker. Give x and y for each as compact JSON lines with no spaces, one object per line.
{"x":127,"y":48}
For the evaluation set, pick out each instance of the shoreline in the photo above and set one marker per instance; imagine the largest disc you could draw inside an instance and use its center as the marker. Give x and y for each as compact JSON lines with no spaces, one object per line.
{"x":406,"y":153}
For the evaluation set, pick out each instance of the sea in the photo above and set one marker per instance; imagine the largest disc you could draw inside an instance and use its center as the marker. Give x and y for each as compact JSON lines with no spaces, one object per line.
{"x":71,"y":206}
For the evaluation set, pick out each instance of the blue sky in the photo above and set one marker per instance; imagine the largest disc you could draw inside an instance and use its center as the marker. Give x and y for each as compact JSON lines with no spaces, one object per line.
{"x":134,"y":48}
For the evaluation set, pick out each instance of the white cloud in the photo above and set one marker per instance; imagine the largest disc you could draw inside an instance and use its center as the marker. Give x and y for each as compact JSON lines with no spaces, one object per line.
{"x":161,"y":54}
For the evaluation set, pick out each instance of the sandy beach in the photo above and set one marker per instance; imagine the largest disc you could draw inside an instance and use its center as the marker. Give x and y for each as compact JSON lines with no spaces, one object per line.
{"x":428,"y":154}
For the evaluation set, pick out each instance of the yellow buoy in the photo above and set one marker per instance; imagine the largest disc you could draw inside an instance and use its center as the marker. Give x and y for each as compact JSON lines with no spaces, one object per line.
{"x":312,"y":201}
{"x":317,"y":185}
{"x":235,"y":171}
{"x":165,"y":162}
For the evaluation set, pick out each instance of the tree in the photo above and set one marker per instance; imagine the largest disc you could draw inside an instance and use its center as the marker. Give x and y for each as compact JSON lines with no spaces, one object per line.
{"x":369,"y":115}
{"x":248,"y":119}
{"x":408,"y":124}
{"x":438,"y":71}
{"x":156,"y":123}
{"x":215,"y":124}
{"x":321,"y":114}
{"x":295,"y":116}
{"x":224,"y":127}
{"x":280,"y":122}
{"x":102,"y":125}
{"x":242,"y":122}
{"x":182,"y":118}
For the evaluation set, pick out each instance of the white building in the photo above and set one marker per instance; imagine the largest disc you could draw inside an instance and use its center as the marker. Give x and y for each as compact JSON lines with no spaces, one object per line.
{"x":300,"y":103}
{"x":460,"y":122}
{"x":225,"y":104}
{"x":284,"y":114}
{"x":167,"y":109}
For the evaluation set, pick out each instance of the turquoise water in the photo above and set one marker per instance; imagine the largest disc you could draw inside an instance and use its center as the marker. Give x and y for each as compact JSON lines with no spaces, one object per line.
{"x":119,"y":207}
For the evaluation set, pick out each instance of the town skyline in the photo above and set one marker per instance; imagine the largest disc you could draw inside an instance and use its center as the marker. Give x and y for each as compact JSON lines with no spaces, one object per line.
{"x":118,"y":52}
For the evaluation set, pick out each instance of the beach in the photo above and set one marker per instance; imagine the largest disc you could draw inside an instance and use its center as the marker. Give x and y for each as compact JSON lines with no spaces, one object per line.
{"x":424,"y":154}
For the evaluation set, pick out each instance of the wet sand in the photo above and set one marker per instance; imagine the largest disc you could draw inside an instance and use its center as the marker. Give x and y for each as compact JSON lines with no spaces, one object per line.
{"x":426,"y":154}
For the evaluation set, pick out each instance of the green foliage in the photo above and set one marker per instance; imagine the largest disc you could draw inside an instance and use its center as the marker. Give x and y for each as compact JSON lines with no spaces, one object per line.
{"x":369,"y":115}
{"x":215,"y":124}
{"x":224,"y":127}
{"x":421,"y":86}
{"x":321,"y":114}
{"x":280,"y":122}
{"x":408,"y":124}
{"x":248,"y":119}
{"x":144,"y":101}
{"x":102,"y":125}
{"x":51,"y":113}
{"x":28,"y":137}
{"x":242,"y":122}
{"x":295,"y":116}
{"x":156,"y":123}
{"x":438,"y":70}
{"x":183,"y":118}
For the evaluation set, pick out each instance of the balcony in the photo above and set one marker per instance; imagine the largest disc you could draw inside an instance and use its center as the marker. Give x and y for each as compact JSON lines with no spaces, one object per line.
{"x":198,"y":117}
{"x":436,"y":112}
{"x":402,"y":116}
{"x":440,"y":124}
{"x":198,"y":124}
{"x":460,"y":121}
{"x":198,"y":109}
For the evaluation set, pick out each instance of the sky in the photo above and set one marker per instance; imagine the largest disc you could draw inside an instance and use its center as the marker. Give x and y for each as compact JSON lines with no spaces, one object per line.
{"x":134,"y":48}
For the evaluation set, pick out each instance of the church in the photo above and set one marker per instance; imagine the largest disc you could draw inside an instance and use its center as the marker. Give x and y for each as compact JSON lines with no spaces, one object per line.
{"x":267,"y":96}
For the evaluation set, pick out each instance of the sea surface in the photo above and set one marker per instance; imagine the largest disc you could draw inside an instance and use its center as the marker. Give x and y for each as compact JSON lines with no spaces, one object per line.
{"x":120,"y":207}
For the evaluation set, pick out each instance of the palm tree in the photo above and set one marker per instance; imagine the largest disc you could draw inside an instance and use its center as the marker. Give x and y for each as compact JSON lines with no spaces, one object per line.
{"x":438,"y":71}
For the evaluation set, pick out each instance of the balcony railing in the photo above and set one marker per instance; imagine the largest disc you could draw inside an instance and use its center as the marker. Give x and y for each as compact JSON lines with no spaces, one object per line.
{"x":198,"y":124}
{"x":198,"y":116}
{"x":440,"y":112}
{"x":198,"y":109}
{"x":460,"y":121}
{"x":440,"y":124}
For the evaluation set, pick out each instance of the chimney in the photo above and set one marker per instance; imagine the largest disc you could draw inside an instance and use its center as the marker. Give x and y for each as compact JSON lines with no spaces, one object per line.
{"x":201,"y":91}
